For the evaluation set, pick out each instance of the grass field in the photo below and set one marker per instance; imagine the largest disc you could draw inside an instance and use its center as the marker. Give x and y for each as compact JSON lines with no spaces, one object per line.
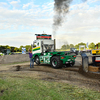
{"x":28,"y":88}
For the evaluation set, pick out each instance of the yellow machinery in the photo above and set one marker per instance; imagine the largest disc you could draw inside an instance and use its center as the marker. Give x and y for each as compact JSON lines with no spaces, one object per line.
{"x":96,"y":51}
{"x":95,"y":67}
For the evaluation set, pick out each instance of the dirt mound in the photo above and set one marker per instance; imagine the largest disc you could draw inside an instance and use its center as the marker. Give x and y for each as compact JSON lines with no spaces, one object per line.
{"x":71,"y":75}
{"x":89,"y":74}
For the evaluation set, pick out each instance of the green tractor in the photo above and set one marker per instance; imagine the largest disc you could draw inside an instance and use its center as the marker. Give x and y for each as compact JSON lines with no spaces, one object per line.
{"x":43,"y":50}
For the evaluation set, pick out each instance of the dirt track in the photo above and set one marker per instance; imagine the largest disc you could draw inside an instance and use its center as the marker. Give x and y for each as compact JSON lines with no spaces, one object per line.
{"x":45,"y":72}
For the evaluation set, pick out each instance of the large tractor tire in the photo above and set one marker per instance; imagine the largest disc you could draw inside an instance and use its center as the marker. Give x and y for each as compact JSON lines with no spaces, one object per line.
{"x":56,"y":62}
{"x":37,"y":61}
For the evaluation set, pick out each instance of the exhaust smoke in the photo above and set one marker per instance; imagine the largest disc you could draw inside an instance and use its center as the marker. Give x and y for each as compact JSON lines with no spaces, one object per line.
{"x":61,"y":8}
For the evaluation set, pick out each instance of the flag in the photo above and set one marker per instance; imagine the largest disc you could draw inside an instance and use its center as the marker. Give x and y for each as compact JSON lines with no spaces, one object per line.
{"x":87,"y":45}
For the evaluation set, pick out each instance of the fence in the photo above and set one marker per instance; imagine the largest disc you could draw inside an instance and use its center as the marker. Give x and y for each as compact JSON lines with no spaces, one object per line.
{"x":14,"y":58}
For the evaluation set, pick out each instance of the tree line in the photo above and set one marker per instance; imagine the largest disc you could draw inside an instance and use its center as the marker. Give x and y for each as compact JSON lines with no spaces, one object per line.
{"x":90,"y":46}
{"x":63,"y":47}
{"x":14,"y":49}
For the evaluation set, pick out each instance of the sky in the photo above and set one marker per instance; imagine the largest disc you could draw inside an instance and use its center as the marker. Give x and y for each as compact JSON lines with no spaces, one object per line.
{"x":20,"y":20}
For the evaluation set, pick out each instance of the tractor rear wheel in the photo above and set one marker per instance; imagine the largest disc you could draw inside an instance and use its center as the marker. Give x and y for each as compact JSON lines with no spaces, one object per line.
{"x":56,"y":62}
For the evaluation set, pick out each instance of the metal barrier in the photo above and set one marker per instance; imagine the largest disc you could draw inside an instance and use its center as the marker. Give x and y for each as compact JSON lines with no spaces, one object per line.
{"x":14,"y":58}
{"x":85,"y":62}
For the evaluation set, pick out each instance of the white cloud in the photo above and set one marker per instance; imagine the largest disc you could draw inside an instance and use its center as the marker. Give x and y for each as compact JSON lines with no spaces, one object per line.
{"x":31,"y":4}
{"x":15,"y":4}
{"x":92,"y":1}
{"x":3,"y":5}
{"x":48,"y":5}
{"x":26,"y":5}
{"x":43,"y":10}
{"x":83,"y":18}
{"x":81,"y":24}
{"x":21,"y":17}
{"x":17,"y":41}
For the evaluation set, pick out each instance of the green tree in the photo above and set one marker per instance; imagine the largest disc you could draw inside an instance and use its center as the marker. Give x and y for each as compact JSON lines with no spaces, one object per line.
{"x":77,"y":46}
{"x":99,"y":45}
{"x":12,"y":49}
{"x":27,"y":47}
{"x":20,"y":48}
{"x":92,"y":45}
{"x":8,"y":47}
{"x":16,"y":49}
{"x":81,"y":44}
{"x":71,"y":46}
{"x":63,"y":47}
{"x":2,"y":48}
{"x":67,"y":46}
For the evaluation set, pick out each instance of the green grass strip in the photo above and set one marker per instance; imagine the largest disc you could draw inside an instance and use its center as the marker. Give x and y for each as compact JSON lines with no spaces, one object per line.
{"x":33,"y":89}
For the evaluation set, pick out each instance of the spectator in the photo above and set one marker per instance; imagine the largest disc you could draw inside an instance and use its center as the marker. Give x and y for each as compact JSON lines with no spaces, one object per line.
{"x":31,"y":59}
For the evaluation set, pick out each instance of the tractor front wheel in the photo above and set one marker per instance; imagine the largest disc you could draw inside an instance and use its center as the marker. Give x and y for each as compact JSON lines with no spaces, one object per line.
{"x":37,"y":61}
